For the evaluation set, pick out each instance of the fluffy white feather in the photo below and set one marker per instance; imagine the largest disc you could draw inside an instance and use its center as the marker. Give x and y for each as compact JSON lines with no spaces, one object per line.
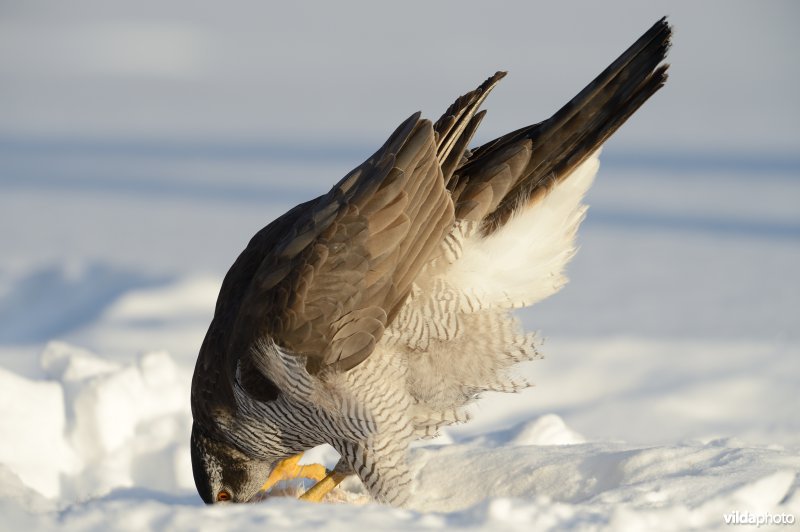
{"x":457,"y":333}
{"x":523,"y":262}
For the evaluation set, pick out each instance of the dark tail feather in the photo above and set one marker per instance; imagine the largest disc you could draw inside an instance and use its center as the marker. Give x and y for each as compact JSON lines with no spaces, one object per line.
{"x":570,"y":136}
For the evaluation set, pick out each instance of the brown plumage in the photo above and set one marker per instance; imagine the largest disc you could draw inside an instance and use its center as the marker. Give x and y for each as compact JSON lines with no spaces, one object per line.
{"x":324,"y":284}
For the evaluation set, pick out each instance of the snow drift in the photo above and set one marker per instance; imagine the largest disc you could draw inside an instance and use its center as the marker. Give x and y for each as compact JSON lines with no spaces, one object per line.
{"x":95,"y":444}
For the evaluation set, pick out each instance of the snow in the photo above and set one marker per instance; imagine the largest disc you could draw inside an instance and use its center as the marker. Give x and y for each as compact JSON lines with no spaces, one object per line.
{"x":108,"y":424}
{"x":131,"y":178}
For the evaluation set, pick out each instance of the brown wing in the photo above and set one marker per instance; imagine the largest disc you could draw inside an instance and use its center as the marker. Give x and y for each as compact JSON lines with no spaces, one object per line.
{"x":516,"y":169}
{"x":324,"y":279}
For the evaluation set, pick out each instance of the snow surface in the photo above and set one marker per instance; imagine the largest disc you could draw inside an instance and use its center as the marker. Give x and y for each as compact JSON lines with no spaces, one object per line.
{"x":130,"y":179}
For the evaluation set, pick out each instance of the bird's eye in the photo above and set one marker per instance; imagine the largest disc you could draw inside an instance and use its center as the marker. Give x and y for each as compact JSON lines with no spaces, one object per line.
{"x":223,"y":496}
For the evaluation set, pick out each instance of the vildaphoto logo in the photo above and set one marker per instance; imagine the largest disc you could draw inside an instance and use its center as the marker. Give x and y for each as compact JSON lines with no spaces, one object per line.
{"x":757,"y":519}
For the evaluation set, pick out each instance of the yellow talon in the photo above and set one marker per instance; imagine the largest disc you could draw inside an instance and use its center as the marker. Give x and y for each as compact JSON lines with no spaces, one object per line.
{"x":289,"y":469}
{"x":323,"y":487}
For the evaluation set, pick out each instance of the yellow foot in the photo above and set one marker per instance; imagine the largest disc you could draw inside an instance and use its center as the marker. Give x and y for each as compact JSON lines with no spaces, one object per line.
{"x":323,"y":487}
{"x":289,"y":469}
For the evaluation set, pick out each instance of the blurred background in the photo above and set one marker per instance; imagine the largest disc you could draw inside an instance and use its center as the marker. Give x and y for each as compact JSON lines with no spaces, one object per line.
{"x":142,"y":144}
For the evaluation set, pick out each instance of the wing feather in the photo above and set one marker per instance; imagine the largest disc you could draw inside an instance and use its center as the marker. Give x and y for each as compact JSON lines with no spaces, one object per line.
{"x":328,"y":278}
{"x":322,"y":280}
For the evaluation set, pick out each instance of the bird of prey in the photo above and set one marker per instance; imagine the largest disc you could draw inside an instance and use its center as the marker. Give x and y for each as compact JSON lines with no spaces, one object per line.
{"x":372,"y":315}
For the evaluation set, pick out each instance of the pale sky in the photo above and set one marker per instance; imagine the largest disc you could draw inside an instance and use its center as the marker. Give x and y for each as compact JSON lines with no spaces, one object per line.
{"x":350,"y":71}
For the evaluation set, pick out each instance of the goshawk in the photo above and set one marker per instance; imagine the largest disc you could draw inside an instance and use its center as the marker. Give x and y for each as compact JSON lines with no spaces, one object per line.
{"x":372,"y":315}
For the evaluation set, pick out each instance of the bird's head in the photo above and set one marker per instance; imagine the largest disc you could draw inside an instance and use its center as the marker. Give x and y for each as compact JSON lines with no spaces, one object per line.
{"x":222,"y":473}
